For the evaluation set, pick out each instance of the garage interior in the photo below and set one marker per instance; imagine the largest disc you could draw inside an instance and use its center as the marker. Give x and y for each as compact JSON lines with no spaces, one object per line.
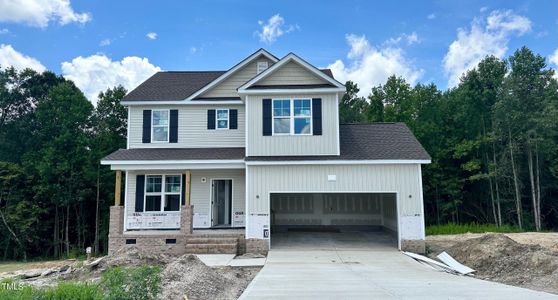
{"x":333,"y":218}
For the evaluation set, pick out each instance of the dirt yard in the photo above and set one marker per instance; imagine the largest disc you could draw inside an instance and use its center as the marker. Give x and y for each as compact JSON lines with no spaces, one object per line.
{"x":181,"y":276}
{"x":528,"y":260}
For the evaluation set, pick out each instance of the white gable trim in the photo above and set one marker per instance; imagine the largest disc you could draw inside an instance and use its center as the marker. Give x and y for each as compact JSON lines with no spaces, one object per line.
{"x":233,"y":70}
{"x":283,"y":61}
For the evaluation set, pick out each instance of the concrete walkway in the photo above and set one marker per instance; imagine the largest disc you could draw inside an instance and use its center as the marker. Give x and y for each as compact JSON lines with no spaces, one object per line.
{"x":358,"y":269}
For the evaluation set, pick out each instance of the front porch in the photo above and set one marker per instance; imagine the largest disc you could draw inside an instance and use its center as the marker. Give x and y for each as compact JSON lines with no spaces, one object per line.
{"x":206,"y":217}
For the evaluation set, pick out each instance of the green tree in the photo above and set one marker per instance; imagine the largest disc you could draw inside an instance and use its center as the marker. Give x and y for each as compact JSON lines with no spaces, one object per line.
{"x":352,"y":106}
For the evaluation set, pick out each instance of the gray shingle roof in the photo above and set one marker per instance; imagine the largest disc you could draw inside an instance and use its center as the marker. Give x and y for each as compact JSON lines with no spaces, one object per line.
{"x":177,"y":154}
{"x":378,"y":141}
{"x":165,"y":86}
{"x":177,"y":85}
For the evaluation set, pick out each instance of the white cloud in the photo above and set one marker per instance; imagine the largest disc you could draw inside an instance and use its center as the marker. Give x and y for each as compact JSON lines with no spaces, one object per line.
{"x":96,"y":73}
{"x":105,"y":42}
{"x":370,"y":66}
{"x":408,"y":38}
{"x":431,"y":16}
{"x":151,"y":35}
{"x":9,"y":57}
{"x":4,"y":31}
{"x":193,"y":50}
{"x":274,"y":28}
{"x":485,"y":37}
{"x":39,"y":13}
{"x":554,"y":59}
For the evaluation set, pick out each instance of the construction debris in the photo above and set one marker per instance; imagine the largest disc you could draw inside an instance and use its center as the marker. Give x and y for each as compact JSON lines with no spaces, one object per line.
{"x":454,"y":264}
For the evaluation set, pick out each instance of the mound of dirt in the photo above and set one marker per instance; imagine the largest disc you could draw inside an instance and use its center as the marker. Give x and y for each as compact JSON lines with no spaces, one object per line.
{"x":498,"y":258}
{"x":132,"y":256}
{"x":189,"y":276}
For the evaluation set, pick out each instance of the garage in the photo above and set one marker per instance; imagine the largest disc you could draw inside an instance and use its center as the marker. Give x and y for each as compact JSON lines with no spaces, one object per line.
{"x":334,"y":219}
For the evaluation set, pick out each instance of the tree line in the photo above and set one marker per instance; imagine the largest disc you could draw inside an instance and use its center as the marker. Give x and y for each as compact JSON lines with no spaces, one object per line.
{"x":54,"y":195}
{"x":493,"y":141}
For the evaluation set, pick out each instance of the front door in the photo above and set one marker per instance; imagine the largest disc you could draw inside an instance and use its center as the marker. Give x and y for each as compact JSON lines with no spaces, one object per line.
{"x":221,"y":202}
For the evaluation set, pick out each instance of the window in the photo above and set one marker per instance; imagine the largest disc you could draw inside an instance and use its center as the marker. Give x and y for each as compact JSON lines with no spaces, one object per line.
{"x":292,"y":117}
{"x":302,"y":116}
{"x":160,"y":126}
{"x":222,"y":119}
{"x":282,"y":116}
{"x":261,"y":66}
{"x":162,"y":192}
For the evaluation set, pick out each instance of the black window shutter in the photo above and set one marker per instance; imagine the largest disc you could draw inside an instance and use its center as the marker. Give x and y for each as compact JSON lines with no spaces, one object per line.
{"x":140,"y":184}
{"x":146,"y":136}
{"x":317,"y":116}
{"x":173,"y":133}
{"x":183,"y":189}
{"x":266,"y":114}
{"x":233,"y":116}
{"x":210,"y":119}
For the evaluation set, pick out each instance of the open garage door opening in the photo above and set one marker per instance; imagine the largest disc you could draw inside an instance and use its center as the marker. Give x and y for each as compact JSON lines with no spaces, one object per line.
{"x":333,"y":219}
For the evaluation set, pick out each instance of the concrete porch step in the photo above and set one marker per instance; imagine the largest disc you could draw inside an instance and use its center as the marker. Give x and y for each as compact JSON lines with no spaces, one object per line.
{"x":213,"y":240}
{"x":230,"y":248}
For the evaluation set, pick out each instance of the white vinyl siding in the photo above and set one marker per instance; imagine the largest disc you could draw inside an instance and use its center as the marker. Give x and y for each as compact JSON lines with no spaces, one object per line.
{"x":325,"y":144}
{"x":291,"y":73}
{"x":192,"y":128}
{"x":200,"y":191}
{"x":227,"y":88}
{"x":404,"y":179}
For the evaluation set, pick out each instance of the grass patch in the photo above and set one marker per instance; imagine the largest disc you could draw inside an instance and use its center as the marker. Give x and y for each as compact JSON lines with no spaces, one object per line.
{"x":453,"y":228}
{"x":119,"y":283}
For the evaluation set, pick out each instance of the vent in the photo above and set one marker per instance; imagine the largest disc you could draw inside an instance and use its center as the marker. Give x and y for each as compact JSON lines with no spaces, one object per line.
{"x":170,"y":241}
{"x":130,"y":241}
{"x":262,"y":66}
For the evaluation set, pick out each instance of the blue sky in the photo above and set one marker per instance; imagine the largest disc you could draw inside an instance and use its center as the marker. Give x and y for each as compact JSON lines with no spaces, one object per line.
{"x":360,"y":40}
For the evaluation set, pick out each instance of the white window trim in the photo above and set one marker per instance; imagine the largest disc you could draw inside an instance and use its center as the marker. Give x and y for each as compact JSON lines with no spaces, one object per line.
{"x":163,"y":193}
{"x":153,"y":126}
{"x":291,"y":117}
{"x":217,"y":118}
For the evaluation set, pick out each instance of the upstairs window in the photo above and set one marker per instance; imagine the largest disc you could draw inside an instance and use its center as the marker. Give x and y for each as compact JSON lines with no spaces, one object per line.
{"x":292,"y":117}
{"x":302,"y":116}
{"x":162,"y":192}
{"x":282,"y":116}
{"x":160,"y":126}
{"x":222,"y":119}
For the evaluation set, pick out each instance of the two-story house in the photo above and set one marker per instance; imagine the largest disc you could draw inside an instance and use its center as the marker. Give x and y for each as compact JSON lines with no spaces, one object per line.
{"x":258,"y":148}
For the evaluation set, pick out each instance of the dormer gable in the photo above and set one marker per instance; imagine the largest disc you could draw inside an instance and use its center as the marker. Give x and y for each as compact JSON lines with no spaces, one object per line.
{"x":227,"y":84}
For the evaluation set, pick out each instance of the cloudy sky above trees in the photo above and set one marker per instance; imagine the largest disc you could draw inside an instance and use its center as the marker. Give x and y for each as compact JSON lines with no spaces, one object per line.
{"x":99,"y":44}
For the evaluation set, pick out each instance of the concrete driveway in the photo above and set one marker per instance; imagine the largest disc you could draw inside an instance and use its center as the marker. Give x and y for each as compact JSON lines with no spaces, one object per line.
{"x":362,"y":266}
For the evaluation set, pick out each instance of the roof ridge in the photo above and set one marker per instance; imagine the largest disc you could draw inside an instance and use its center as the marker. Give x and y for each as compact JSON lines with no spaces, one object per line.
{"x":373,"y":123}
{"x":198,"y":71}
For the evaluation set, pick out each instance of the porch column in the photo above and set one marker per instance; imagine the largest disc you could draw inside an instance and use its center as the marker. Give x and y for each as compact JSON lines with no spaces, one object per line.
{"x":117,"y":188}
{"x":187,"y":186}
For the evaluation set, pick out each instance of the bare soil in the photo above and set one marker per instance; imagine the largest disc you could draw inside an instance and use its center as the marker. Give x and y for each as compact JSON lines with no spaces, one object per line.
{"x":528,"y":260}
{"x":180,"y":277}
